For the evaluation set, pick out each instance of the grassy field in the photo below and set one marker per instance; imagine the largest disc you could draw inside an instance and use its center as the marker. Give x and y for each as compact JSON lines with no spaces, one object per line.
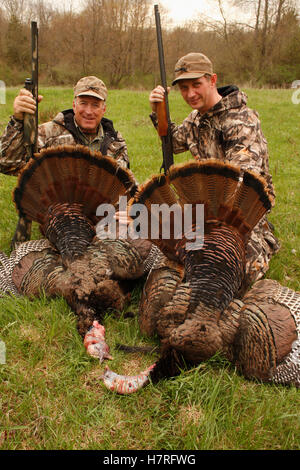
{"x":50,"y":393}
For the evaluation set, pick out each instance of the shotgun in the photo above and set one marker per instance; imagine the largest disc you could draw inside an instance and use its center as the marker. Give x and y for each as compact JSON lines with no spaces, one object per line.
{"x":23,"y":229}
{"x":31,"y":84}
{"x":162,"y":109}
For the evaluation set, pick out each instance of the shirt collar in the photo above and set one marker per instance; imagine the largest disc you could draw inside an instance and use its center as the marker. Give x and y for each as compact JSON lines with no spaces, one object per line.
{"x":99,"y":135}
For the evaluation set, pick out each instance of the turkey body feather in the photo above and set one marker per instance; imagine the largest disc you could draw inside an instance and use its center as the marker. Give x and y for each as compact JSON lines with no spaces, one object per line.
{"x":267,"y":343}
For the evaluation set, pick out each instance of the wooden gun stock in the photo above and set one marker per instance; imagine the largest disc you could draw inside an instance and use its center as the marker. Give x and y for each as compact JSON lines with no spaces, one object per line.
{"x":162,"y":118}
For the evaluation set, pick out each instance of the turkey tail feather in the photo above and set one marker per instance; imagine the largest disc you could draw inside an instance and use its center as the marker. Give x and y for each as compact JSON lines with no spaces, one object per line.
{"x":158,"y":192}
{"x":229,"y":194}
{"x":70,"y":174}
{"x":252,"y":198}
{"x":61,"y":190}
{"x":209,"y":181}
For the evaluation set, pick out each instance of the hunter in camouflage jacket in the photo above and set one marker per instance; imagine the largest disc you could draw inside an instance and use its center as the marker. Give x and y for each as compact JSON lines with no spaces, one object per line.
{"x":61,"y":130}
{"x":231,"y":131}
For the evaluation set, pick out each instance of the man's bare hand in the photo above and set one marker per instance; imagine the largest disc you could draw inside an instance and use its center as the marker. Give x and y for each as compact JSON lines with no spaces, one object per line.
{"x":157,"y":96}
{"x":24,"y":103}
{"x":123,"y":218}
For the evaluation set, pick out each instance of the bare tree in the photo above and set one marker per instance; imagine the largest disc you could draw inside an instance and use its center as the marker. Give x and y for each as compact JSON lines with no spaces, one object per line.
{"x":122,"y":36}
{"x":116,"y":40}
{"x":15,"y":9}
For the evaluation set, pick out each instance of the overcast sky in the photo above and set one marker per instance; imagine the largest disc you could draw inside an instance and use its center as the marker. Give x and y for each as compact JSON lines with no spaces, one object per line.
{"x":179,"y":10}
{"x":183,"y":10}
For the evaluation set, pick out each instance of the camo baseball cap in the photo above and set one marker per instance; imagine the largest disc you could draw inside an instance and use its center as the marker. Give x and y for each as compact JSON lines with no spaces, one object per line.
{"x":91,"y":86}
{"x":192,"y":65}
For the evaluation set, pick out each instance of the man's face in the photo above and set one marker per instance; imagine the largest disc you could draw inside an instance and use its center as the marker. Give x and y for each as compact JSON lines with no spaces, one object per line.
{"x":88,"y":112}
{"x":198,"y":92}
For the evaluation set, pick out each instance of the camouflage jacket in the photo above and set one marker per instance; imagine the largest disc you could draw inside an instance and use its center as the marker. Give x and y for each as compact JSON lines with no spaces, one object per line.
{"x":61,"y":130}
{"x":228,"y":131}
{"x":231,"y":131}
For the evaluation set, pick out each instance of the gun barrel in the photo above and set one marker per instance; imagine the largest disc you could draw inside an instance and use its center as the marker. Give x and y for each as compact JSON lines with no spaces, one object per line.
{"x":35,"y":67}
{"x":166,"y":136}
{"x":161,"y":56}
{"x":31,"y":84}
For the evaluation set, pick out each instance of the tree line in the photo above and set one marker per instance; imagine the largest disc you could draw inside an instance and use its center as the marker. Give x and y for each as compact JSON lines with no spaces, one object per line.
{"x":116,"y":40}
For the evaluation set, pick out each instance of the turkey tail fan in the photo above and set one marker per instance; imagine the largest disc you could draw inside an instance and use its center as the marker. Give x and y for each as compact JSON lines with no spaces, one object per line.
{"x":155,"y":191}
{"x":156,"y":195}
{"x":70,"y":174}
{"x":61,"y":190}
{"x":252,"y":198}
{"x":212,"y":182}
{"x":230,"y":194}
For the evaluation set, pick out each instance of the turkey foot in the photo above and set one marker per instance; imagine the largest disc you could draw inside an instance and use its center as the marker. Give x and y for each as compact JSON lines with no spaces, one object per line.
{"x":95,"y":344}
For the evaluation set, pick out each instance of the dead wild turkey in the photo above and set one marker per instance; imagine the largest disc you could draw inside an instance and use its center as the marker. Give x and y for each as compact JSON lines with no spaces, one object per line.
{"x":190,"y":296}
{"x":61,"y":190}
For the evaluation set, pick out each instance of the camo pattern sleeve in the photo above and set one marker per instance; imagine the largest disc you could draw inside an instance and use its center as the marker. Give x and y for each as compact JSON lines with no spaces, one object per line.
{"x":12,"y":150}
{"x":244,"y":143}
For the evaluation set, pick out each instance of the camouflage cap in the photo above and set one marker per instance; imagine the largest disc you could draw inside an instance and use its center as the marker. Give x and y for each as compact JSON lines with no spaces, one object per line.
{"x":193,"y":65}
{"x":91,"y":86}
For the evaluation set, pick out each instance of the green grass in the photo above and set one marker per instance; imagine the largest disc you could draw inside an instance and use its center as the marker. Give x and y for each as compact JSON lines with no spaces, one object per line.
{"x":51,"y":396}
